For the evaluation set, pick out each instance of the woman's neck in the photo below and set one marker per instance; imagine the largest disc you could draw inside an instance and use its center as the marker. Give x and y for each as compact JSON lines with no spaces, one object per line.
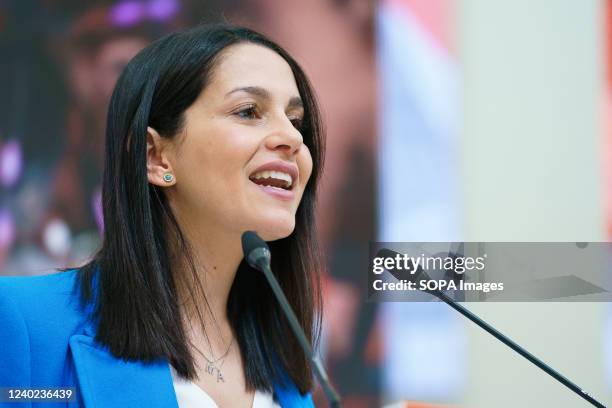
{"x":216,"y":257}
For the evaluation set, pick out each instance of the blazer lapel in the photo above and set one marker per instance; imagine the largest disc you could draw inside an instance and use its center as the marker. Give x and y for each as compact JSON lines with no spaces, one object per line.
{"x":105,"y":381}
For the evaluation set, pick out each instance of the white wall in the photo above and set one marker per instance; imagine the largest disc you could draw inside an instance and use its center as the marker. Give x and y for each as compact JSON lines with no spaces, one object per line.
{"x":532,"y":138}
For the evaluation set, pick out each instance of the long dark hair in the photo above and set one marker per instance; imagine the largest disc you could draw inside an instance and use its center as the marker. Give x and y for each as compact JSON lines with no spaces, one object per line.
{"x":130,"y":281}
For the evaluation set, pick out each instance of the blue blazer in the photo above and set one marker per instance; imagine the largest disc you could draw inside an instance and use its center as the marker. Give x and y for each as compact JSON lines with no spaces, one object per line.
{"x":47,"y":340}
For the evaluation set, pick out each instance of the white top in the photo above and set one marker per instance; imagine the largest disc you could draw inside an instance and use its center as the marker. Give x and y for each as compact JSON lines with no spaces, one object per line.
{"x":190,"y":395}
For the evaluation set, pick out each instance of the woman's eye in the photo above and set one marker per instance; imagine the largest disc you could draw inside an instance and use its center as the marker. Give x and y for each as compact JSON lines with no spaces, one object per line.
{"x":297,"y":123}
{"x":248,"y":112}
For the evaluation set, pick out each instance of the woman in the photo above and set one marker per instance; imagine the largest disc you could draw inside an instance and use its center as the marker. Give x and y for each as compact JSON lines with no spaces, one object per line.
{"x":211,"y":132}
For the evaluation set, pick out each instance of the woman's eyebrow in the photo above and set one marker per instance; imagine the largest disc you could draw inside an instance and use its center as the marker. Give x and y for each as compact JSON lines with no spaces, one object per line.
{"x":295,"y":102}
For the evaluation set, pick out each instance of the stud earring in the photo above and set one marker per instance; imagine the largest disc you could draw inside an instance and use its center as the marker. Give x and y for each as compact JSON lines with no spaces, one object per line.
{"x":168,"y":178}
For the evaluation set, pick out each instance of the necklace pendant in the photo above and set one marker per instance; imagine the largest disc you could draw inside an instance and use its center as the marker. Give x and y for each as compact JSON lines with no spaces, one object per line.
{"x":219,"y":376}
{"x":210,"y":368}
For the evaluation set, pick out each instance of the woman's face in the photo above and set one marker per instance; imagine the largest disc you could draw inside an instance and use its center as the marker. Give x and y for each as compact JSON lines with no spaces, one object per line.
{"x":240,"y":163}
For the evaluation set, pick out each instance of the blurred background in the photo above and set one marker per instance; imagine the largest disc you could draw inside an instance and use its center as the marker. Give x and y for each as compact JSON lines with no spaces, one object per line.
{"x":447,"y":120}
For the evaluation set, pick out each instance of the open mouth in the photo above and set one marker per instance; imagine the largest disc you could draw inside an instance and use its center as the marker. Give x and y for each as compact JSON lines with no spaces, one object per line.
{"x":271,"y":178}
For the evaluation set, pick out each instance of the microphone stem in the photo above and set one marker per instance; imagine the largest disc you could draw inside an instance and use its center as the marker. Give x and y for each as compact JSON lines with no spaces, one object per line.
{"x":332,"y":396}
{"x":514,"y":346}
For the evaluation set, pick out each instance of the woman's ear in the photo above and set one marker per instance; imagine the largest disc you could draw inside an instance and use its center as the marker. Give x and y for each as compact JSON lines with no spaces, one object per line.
{"x":159,"y":167}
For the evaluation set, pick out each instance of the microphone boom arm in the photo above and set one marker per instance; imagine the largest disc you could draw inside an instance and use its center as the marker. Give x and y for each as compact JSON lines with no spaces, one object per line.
{"x":257,"y":254}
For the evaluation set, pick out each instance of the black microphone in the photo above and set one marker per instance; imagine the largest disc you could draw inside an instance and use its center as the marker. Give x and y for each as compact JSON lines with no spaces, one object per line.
{"x":420,"y":275}
{"x":257,"y":254}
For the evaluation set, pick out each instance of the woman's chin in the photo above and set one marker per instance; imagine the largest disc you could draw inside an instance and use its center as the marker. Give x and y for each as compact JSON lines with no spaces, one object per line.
{"x":278,"y":228}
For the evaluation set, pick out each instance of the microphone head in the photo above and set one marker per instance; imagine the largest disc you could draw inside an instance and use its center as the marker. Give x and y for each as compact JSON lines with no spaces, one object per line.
{"x":254,"y":248}
{"x":416,"y":276}
{"x":251,"y":241}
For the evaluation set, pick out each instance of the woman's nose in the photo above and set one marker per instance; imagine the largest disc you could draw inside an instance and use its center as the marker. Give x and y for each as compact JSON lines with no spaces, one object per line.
{"x":284,"y":136}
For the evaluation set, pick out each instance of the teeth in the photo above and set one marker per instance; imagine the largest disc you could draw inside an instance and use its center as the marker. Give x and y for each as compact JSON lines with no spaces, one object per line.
{"x":279,"y":175}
